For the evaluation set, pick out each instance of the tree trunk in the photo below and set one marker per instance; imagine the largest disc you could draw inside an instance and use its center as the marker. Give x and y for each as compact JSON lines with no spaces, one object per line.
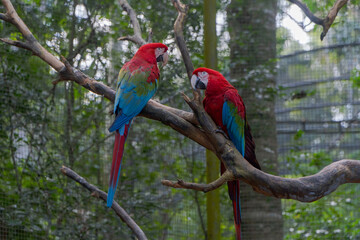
{"x":212,"y":163}
{"x":252,"y":29}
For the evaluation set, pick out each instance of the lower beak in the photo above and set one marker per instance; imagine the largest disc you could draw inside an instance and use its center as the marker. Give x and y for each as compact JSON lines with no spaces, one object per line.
{"x":199,"y":84}
{"x":165,"y":59}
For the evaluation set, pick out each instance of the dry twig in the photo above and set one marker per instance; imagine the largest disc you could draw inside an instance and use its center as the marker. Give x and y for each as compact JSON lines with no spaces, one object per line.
{"x":325,"y":22}
{"x":96,"y":192}
{"x":302,"y":189}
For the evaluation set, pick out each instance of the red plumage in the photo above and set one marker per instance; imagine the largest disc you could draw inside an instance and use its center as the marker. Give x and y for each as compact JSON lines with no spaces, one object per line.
{"x":218,"y":90}
{"x":137,"y":83}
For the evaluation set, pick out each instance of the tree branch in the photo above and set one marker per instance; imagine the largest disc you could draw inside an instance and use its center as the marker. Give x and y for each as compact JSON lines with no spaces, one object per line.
{"x":226,"y":176}
{"x":304,"y":189}
{"x":18,"y":44}
{"x":330,"y":18}
{"x":180,"y":41}
{"x":179,"y":35}
{"x":181,"y":121}
{"x":95,"y":192}
{"x":12,"y":17}
{"x":325,"y":22}
{"x":137,"y":37}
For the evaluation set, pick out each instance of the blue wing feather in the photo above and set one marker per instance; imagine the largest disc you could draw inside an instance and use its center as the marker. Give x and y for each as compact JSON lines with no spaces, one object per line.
{"x":131,"y":97}
{"x":234,"y":125}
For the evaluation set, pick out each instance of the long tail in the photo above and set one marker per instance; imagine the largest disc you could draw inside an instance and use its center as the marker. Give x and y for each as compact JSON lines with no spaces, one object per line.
{"x":234,"y":194}
{"x":120,"y":138}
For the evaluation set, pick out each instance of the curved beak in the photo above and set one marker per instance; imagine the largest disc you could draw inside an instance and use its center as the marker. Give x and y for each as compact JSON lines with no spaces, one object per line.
{"x":165,"y":58}
{"x":196,"y":83}
{"x":200,"y":85}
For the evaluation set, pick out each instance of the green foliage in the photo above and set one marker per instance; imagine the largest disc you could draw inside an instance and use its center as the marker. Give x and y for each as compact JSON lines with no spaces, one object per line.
{"x":44,"y":128}
{"x":355,"y":77}
{"x":331,"y":217}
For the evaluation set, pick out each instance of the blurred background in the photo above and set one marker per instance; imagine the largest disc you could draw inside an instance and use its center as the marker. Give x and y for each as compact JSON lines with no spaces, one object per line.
{"x":303,"y":104}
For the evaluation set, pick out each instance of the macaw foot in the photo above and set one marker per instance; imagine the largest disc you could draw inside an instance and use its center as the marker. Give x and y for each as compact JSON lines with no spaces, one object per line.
{"x":219,"y":130}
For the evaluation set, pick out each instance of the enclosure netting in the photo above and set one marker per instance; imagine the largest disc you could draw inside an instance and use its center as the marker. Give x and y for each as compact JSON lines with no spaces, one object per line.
{"x":317,"y":115}
{"x":318,"y":122}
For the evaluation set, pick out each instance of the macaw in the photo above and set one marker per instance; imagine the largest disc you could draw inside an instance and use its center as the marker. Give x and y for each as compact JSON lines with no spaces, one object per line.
{"x":225,"y":106}
{"x":137,"y":82}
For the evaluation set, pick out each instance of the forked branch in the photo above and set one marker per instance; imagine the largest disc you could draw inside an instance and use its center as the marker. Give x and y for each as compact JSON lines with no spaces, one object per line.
{"x":136,"y":38}
{"x":181,"y":121}
{"x":96,"y":192}
{"x":306,"y":189}
{"x":302,"y":189}
{"x":325,"y":22}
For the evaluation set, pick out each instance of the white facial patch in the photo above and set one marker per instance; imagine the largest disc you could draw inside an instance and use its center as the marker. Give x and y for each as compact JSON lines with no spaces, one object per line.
{"x":204,"y":77}
{"x":193,"y":81}
{"x":159,"y":51}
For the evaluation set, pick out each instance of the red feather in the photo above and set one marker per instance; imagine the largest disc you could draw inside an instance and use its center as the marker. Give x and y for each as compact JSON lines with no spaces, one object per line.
{"x":116,"y":163}
{"x":217,"y":87}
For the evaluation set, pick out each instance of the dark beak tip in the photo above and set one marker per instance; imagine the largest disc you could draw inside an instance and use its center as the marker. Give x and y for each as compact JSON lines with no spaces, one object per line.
{"x":199,"y":84}
{"x":159,"y":58}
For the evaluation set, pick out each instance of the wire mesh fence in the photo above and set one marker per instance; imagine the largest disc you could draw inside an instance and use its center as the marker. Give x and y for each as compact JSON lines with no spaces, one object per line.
{"x":317,"y":114}
{"x":318,"y":122}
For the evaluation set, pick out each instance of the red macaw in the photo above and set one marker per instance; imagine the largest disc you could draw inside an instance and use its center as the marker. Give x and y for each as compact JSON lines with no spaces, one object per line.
{"x":225,"y":106}
{"x":137,"y":83}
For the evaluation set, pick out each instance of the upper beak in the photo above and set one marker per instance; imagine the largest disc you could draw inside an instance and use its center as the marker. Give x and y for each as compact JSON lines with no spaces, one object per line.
{"x":196,"y":83}
{"x":199,"y":84}
{"x":165,"y":59}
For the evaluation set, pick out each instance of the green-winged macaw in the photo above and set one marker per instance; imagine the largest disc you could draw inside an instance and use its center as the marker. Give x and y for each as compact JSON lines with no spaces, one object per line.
{"x":137,"y":82}
{"x":225,"y":106}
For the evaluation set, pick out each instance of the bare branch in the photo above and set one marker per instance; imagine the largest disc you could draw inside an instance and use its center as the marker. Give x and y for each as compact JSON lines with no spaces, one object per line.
{"x":18,"y":44}
{"x":13,"y":18}
{"x":226,"y":176}
{"x":137,"y":37}
{"x":179,"y":35}
{"x":180,"y":41}
{"x":307,"y":12}
{"x":133,"y":38}
{"x":150,"y":35}
{"x":328,"y":20}
{"x":182,"y":121}
{"x":304,"y":189}
{"x":96,"y":192}
{"x":299,"y":23}
{"x":4,"y":17}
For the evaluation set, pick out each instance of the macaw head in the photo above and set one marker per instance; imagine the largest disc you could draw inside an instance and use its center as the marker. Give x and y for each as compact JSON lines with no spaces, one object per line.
{"x":153,"y":52}
{"x":210,"y":80}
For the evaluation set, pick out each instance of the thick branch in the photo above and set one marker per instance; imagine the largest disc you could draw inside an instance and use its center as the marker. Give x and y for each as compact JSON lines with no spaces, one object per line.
{"x":12,"y":17}
{"x":182,"y":121}
{"x":304,"y":189}
{"x":328,"y":20}
{"x":137,"y":37}
{"x":95,"y":192}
